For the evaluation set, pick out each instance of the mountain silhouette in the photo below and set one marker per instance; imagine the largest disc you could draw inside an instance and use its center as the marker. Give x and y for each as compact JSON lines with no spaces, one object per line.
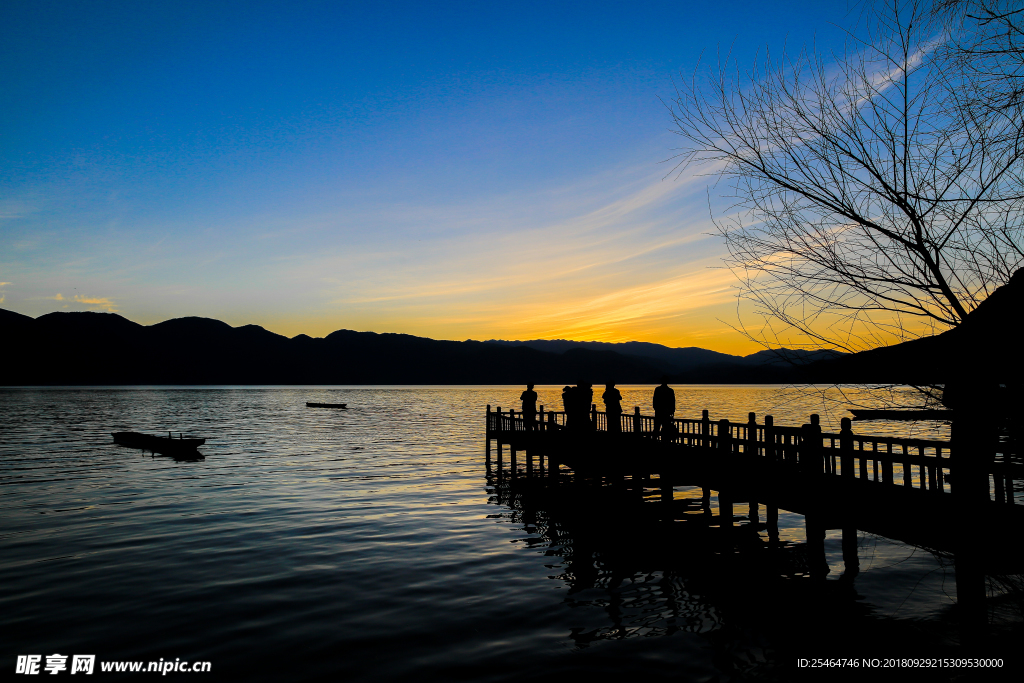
{"x":682,"y":360}
{"x":106,"y":348}
{"x":985,"y":346}
{"x":88,"y":348}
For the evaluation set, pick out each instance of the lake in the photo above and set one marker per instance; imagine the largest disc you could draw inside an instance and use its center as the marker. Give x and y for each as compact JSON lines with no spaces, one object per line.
{"x":370,"y":544}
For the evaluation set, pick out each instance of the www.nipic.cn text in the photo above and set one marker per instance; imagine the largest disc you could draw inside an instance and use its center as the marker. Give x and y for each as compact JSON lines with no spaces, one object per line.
{"x":86,"y":664}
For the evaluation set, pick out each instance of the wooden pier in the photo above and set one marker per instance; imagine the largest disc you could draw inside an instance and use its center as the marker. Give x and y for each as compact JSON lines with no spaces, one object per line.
{"x":960,"y":497}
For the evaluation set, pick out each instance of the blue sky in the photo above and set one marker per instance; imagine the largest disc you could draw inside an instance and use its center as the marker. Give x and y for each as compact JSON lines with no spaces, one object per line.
{"x":454,"y":170}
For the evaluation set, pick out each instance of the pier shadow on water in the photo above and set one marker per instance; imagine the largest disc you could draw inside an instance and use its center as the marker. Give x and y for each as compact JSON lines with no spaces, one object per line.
{"x":642,"y":558}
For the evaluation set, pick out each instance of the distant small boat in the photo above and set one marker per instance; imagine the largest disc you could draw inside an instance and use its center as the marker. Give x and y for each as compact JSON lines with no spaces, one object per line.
{"x":157,"y":444}
{"x":862,"y":414}
{"x":326,"y":405}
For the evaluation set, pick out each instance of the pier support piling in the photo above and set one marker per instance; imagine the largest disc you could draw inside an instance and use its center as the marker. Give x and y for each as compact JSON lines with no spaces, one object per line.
{"x":724,"y":510}
{"x":817,"y":565}
{"x":850,"y":559}
{"x":772,"y":522}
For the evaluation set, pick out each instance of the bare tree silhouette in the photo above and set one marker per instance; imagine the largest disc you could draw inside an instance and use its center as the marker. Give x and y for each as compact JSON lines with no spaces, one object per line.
{"x":873,"y":200}
{"x":986,"y":43}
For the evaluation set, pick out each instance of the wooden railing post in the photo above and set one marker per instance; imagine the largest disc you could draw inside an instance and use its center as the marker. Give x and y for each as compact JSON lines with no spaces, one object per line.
{"x":498,"y":417}
{"x":512,"y":444}
{"x":811,"y":463}
{"x":846,"y":447}
{"x":724,"y":438}
{"x":487,"y":435}
{"x":769,"y":438}
{"x":751,"y":435}
{"x":705,"y":429}
{"x":540,"y":422}
{"x":593,"y":416}
{"x":638,"y":421}
{"x":887,"y":473}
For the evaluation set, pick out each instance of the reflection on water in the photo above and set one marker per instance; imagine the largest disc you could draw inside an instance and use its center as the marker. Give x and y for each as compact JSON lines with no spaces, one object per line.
{"x":751,"y":599}
{"x":369,"y":544}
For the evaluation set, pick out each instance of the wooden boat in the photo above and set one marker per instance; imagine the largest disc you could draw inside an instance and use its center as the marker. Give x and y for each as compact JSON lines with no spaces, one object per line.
{"x":157,"y":444}
{"x":326,"y":405}
{"x":863,"y":414}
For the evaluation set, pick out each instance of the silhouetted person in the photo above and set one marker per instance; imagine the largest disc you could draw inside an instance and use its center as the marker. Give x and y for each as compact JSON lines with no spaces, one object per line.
{"x":529,"y":399}
{"x":586,"y":400}
{"x":612,"y":407}
{"x":567,"y":405}
{"x":664,"y":409}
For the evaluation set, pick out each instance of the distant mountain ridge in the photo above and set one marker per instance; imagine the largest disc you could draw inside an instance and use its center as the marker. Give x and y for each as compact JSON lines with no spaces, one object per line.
{"x":681,"y":359}
{"x":77,"y":348}
{"x":106,"y":348}
{"x":985,"y":346}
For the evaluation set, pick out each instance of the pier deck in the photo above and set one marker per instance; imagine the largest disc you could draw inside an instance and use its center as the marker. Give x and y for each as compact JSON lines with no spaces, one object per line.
{"x":953,"y":497}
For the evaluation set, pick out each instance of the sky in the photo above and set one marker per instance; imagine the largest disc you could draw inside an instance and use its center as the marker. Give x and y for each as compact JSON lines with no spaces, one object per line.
{"x":454,"y":170}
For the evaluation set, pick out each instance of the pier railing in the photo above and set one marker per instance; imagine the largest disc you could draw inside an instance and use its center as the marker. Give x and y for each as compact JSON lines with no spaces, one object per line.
{"x":913,"y":464}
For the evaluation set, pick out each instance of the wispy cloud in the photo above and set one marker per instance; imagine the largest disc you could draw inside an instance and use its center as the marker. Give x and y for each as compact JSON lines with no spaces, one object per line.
{"x":96,"y":302}
{"x":622,"y":254}
{"x":630,"y":255}
{"x":604,"y":315}
{"x":11,"y":209}
{"x":90,"y":302}
{"x":515,"y":249}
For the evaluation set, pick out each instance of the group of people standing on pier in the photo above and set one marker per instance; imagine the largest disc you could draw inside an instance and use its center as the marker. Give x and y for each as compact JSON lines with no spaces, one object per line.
{"x":577,"y":402}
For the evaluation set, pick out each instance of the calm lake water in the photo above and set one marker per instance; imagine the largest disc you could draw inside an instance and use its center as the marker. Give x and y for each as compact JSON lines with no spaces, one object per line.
{"x":370,"y":544}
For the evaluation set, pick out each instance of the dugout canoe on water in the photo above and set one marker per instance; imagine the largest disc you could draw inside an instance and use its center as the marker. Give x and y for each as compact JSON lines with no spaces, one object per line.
{"x":157,"y":444}
{"x":326,"y":405}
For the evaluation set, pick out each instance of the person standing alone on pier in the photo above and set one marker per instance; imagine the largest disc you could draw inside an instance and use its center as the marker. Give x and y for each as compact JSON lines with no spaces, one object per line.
{"x":664,"y":408}
{"x":529,"y":399}
{"x":568,"y":395}
{"x":612,"y":407}
{"x":585,"y":396}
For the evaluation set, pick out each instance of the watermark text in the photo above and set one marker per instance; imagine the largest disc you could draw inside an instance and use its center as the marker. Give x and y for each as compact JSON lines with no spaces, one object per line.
{"x":33,"y":665}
